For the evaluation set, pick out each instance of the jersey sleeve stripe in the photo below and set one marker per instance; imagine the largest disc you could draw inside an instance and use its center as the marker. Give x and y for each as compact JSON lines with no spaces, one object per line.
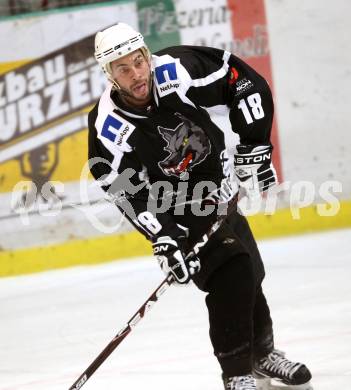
{"x":220,"y":73}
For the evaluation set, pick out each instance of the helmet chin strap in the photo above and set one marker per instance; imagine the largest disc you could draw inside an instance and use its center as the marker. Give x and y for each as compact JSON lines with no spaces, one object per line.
{"x":122,"y":92}
{"x":114,"y":82}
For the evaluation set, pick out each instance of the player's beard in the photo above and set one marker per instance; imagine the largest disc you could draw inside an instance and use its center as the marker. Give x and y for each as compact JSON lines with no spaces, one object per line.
{"x":132,"y":99}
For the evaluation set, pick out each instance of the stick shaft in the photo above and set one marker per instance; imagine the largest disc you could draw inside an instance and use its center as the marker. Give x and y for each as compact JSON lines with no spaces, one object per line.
{"x":147,"y":305}
{"x":123,"y":333}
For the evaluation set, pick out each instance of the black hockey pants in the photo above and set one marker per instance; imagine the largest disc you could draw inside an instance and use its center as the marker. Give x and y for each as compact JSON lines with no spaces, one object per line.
{"x":239,"y":317}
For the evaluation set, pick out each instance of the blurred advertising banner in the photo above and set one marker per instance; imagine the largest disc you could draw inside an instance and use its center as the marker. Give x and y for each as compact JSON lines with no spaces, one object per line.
{"x":49,"y":79}
{"x":45,"y":101}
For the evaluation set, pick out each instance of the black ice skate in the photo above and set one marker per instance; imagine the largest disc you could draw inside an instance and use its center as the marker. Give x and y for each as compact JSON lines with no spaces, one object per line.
{"x":246,"y":382}
{"x":276,"y":366}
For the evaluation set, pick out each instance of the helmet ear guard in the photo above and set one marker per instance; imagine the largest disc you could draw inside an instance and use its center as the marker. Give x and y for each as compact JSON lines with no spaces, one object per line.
{"x":116,"y":42}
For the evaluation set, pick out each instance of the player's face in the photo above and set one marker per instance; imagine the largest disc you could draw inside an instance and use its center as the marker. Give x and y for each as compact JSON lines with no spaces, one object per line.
{"x":132,"y":73}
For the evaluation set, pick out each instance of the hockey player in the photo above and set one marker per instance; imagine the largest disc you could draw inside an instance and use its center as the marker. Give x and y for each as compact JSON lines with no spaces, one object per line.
{"x":161,"y":159}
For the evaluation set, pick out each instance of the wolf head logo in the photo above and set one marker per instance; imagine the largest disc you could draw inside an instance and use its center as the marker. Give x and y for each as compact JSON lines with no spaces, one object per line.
{"x":187,"y":145}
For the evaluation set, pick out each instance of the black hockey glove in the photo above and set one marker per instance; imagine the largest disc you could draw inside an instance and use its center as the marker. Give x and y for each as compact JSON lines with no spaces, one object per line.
{"x":172,"y":259}
{"x":253,"y":167}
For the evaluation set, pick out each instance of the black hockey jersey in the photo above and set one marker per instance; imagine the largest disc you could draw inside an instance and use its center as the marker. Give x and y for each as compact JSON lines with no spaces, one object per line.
{"x":163,"y":165}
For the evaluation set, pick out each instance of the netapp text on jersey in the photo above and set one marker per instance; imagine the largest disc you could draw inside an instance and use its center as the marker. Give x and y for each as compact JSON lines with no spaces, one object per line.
{"x":46,"y":91}
{"x":122,"y":134}
{"x":169,"y":86}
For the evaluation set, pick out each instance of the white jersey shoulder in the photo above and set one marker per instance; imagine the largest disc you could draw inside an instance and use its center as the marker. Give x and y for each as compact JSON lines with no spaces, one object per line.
{"x":112,"y":129}
{"x":170,"y":76}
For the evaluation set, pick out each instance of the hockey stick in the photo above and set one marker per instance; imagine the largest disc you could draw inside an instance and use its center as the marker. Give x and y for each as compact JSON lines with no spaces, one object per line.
{"x":123,"y":333}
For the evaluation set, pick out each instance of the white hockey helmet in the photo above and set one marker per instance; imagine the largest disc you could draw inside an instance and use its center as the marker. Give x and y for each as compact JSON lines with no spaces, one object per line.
{"x":115,"y":42}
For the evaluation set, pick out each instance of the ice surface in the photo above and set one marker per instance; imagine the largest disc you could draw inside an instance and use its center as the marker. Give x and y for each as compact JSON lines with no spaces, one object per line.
{"x":54,"y":324}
